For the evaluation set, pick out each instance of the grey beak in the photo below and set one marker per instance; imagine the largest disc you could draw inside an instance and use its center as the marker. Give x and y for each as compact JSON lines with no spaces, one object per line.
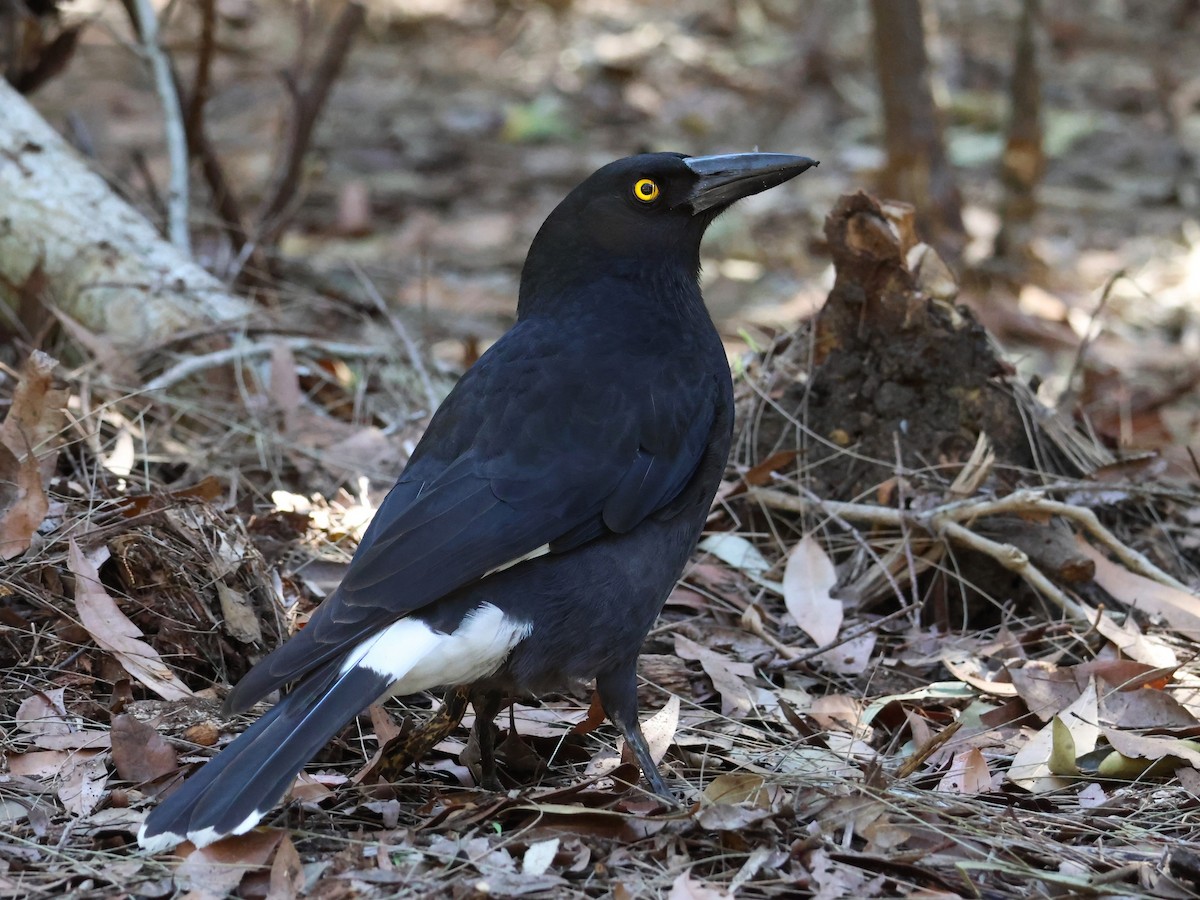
{"x":732,"y":176}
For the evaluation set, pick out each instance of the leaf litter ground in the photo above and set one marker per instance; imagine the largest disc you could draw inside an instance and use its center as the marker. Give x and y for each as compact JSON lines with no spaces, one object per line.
{"x":956,"y":662}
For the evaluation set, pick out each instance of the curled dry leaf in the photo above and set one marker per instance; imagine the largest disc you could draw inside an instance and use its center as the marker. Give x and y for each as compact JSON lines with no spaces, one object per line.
{"x":1128,"y":638}
{"x":28,"y":453}
{"x":113,"y":631}
{"x":23,"y":502}
{"x":971,"y":669}
{"x":808,"y":579}
{"x":1139,"y":755}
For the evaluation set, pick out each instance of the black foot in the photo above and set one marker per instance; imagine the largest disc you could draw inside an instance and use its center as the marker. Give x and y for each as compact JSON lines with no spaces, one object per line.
{"x":618,"y":695}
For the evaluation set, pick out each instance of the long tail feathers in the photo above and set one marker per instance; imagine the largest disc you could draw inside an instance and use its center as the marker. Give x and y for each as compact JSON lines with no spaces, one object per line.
{"x":232,"y":792}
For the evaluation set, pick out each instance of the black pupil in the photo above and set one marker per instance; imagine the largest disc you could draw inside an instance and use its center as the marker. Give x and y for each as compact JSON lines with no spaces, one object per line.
{"x":647,"y":189}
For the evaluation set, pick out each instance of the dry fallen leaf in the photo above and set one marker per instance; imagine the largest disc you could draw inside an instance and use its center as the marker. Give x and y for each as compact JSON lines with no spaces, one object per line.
{"x":659,"y":729}
{"x":539,"y":856}
{"x":1180,"y":609}
{"x":82,"y":781}
{"x":29,"y":439}
{"x":1045,"y":688}
{"x":1031,"y":766}
{"x":35,"y":417}
{"x":139,"y":752}
{"x":808,"y":579}
{"x":733,"y":802}
{"x":23,"y":502}
{"x":838,"y":712}
{"x":968,"y":774}
{"x":970,"y":669}
{"x":217,"y":870}
{"x":1128,"y":639}
{"x":1138,"y":755}
{"x":287,"y":872}
{"x":43,"y":718}
{"x":240,"y":619}
{"x":850,"y":657}
{"x":113,"y":631}
{"x":37,"y":763}
{"x":684,"y":888}
{"x":737,"y":697}
{"x":43,"y":713}
{"x":731,"y":787}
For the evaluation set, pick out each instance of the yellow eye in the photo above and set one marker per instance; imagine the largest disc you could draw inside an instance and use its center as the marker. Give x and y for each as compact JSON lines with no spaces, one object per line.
{"x":646,"y":190}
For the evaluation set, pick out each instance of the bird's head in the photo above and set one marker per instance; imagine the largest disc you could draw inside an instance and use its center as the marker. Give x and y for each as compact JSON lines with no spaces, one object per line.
{"x":649,"y":209}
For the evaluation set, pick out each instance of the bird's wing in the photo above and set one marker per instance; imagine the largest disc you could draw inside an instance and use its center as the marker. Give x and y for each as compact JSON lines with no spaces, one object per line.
{"x":521,"y":454}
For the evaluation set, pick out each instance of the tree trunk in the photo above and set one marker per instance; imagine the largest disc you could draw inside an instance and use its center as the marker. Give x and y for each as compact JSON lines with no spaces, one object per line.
{"x":917,"y":170}
{"x":65,"y":234}
{"x":1024,"y":160}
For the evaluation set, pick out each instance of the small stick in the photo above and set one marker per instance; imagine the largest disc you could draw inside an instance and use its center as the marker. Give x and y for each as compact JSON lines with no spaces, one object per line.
{"x":195,"y":364}
{"x":410,"y":346}
{"x":176,"y":135}
{"x":910,"y":765}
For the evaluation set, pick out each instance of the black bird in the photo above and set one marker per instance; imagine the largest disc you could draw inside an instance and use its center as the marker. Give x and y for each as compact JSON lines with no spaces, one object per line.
{"x":548,"y":510}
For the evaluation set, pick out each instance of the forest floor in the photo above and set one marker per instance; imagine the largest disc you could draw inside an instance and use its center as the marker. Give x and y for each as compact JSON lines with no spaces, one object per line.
{"x":906,"y":661}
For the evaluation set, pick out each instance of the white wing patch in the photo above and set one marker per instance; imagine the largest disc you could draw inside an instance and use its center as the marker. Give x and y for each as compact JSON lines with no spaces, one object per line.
{"x":532,"y":554}
{"x":416,"y":658}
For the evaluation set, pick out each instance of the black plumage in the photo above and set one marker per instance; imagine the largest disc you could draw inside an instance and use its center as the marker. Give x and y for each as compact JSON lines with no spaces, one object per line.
{"x":547,"y":511}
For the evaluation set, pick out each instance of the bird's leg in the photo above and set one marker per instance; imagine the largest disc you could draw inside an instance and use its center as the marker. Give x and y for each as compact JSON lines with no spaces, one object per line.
{"x":398,"y":755}
{"x":618,"y":696}
{"x":487,"y":705}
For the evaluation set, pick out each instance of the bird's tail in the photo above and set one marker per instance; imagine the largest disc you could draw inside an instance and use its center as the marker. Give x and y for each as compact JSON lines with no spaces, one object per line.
{"x":233,"y":791}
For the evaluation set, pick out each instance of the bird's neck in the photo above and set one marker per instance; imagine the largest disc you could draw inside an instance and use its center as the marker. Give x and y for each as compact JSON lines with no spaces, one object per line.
{"x":641,"y":290}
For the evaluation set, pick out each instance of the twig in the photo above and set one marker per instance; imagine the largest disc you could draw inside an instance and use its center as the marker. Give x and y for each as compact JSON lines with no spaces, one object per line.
{"x":200,"y":80}
{"x":308,"y":105}
{"x":233,"y":222}
{"x":901,"y":483}
{"x":1015,"y":561}
{"x":176,"y":135}
{"x":941,"y":521}
{"x":410,"y":346}
{"x":195,"y":364}
{"x":1033,"y":502}
{"x":1089,"y":336}
{"x":923,"y":753}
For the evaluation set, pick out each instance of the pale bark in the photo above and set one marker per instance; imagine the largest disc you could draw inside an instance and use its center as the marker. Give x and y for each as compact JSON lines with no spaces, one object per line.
{"x":99,"y":260}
